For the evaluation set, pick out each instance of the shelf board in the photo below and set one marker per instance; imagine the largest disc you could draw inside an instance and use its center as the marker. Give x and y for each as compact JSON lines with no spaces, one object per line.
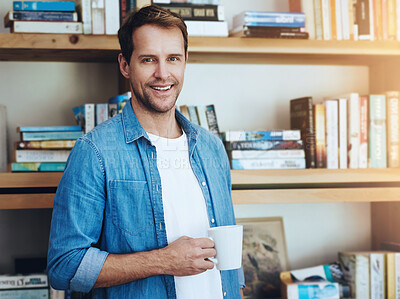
{"x":29,"y":180}
{"x":105,"y":48}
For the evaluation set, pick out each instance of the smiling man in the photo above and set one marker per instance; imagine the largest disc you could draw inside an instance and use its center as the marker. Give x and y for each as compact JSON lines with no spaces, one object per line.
{"x":140,"y":191}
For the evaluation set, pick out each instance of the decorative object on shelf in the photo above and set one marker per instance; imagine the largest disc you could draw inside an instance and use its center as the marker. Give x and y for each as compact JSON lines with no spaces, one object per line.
{"x":264,"y":256}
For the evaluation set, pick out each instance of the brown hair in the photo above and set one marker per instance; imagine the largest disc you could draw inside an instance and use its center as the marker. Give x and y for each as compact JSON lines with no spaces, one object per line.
{"x":152,"y":14}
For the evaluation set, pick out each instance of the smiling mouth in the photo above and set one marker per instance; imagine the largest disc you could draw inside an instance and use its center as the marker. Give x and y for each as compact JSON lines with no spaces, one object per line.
{"x":165,"y":88}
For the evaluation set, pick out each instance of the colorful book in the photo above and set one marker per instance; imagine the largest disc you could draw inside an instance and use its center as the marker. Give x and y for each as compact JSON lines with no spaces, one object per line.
{"x":38,"y":136}
{"x":262,"y":135}
{"x":44,"y":5}
{"x":332,"y":138}
{"x":39,"y":16}
{"x":50,"y":144}
{"x":263,"y":18}
{"x":302,"y":118}
{"x":294,"y":163}
{"x":84,"y":8}
{"x":49,"y":129}
{"x":41,"y":155}
{"x":354,"y":127}
{"x":46,"y":27}
{"x":196,"y":12}
{"x":37,"y":166}
{"x":393,"y":128}
{"x":266,"y":154}
{"x":320,"y":138}
{"x":363,"y":152}
{"x":212,"y":122}
{"x":264,"y":145}
{"x":377,"y":131}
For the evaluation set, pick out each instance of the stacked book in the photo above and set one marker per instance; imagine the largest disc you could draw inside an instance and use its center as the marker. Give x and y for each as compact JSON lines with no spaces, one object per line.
{"x":206,"y":19}
{"x":277,"y":149}
{"x":269,"y":24}
{"x":44,"y":148}
{"x":24,"y":286}
{"x":202,"y":115}
{"x":43,"y":17}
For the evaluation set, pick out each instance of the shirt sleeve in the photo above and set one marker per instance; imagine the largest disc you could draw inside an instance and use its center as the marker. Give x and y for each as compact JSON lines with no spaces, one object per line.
{"x":73,"y":260}
{"x":242,"y":283}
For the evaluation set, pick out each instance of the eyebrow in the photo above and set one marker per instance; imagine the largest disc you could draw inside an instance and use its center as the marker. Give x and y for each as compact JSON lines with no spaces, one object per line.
{"x":154,"y":56}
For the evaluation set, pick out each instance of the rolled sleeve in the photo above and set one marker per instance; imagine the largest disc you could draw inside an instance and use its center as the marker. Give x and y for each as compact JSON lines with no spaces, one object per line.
{"x":242,"y":283}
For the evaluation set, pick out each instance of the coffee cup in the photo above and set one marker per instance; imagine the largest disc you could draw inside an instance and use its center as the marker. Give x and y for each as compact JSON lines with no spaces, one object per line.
{"x":228,"y":242}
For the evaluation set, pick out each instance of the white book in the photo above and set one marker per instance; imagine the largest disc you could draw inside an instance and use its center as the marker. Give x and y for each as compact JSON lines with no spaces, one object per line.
{"x":339,"y":17}
{"x":268,"y":154}
{"x":201,"y":112}
{"x":398,"y":19}
{"x":90,"y":119}
{"x":377,"y":275}
{"x":326,"y":19}
{"x":354,"y":126}
{"x":112,"y":19}
{"x":342,"y":133}
{"x":345,"y":19}
{"x":85,"y":14}
{"x":308,"y":9}
{"x":318,"y":20}
{"x":207,"y":28}
{"x":356,"y":269}
{"x":3,"y":138}
{"x":46,"y":27}
{"x":41,"y":155}
{"x":397,"y":272}
{"x":295,"y":163}
{"x":332,"y":138}
{"x":23,"y":281}
{"x":98,"y":19}
{"x":313,"y":288}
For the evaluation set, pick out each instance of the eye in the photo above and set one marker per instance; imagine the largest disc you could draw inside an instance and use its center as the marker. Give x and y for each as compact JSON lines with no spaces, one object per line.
{"x":173,"y":58}
{"x":148,"y":60}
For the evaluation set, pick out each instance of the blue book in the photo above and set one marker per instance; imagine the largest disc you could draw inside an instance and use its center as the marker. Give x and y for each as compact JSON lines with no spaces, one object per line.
{"x":37,"y":166}
{"x":269,"y":19}
{"x":262,"y":135}
{"x":44,"y":6}
{"x":50,"y":129}
{"x":33,"y":136}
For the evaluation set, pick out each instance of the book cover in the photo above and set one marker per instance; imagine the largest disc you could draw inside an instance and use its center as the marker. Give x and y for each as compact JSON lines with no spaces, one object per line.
{"x":326,"y":19}
{"x":377,"y":275}
{"x":262,"y":135}
{"x":263,"y":18}
{"x":336,"y":19}
{"x":342,"y":102}
{"x":363,"y":152}
{"x":3,"y":138}
{"x":50,"y":144}
{"x":37,"y":166}
{"x":39,"y":16}
{"x":25,"y":293}
{"x":197,"y":12}
{"x":38,"y":136}
{"x":46,"y":27}
{"x":41,"y":155}
{"x":44,"y":5}
{"x":23,"y":281}
{"x":302,"y":118}
{"x":98,"y":17}
{"x":101,"y":113}
{"x":345,"y":18}
{"x":364,"y":19}
{"x":212,"y":120}
{"x":112,"y":22}
{"x":354,"y":127}
{"x":393,"y":128}
{"x":266,"y":154}
{"x":194,"y":116}
{"x":49,"y":129}
{"x":318,"y":20}
{"x":207,"y":28}
{"x":320,"y":138}
{"x":294,"y":163}
{"x":392,"y":34}
{"x":377,"y":131}
{"x":83,"y":7}
{"x":264,"y":145}
{"x":332,"y":131}
{"x":385,"y":19}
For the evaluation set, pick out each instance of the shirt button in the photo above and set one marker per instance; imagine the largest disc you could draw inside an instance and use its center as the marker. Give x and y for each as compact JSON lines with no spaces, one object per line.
{"x":212,"y":220}
{"x":203,"y":183}
{"x":224,"y":294}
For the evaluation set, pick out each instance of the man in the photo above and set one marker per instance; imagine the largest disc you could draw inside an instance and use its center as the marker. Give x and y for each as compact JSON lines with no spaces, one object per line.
{"x":139,"y":192}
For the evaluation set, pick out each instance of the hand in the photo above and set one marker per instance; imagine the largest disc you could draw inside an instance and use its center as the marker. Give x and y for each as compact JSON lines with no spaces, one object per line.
{"x":187,"y":256}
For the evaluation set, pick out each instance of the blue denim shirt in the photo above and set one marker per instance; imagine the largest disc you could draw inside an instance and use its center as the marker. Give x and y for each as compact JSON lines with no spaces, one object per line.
{"x":109,"y":201}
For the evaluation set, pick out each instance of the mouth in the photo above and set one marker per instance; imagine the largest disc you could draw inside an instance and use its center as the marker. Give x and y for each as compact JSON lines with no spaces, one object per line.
{"x":162,"y":88}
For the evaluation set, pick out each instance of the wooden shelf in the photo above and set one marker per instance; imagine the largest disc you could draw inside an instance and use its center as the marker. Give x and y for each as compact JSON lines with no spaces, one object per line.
{"x":105,"y":48}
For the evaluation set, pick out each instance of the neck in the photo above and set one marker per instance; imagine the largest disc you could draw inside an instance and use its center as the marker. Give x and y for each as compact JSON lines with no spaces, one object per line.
{"x":156,"y":123}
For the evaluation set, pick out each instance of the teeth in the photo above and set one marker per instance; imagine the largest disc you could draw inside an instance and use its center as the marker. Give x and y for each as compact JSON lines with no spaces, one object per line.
{"x":162,"y":88}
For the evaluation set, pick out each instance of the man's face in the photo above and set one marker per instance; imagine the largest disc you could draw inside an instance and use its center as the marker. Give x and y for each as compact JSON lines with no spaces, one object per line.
{"x":157,"y":67}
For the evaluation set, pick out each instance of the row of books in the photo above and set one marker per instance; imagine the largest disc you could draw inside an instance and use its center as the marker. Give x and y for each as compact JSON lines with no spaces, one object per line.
{"x":277,"y":149}
{"x":349,"y":131}
{"x":350,"y":19}
{"x":269,"y":24}
{"x":202,"y":115}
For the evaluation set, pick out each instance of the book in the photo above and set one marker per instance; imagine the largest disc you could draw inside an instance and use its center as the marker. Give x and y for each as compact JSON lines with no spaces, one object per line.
{"x":3,"y":138}
{"x":49,"y":129}
{"x":354,"y":127}
{"x":320,"y":139}
{"x":212,"y":122}
{"x":288,"y":163}
{"x":38,"y":136}
{"x":207,"y":28}
{"x":46,"y":27}
{"x":326,"y":19}
{"x":194,"y":115}
{"x":332,"y":138}
{"x":377,"y":275}
{"x":201,"y":112}
{"x":41,"y":155}
{"x":262,"y":135}
{"x":307,"y":7}
{"x":264,"y":145}
{"x":197,"y":12}
{"x":23,"y":281}
{"x":253,"y":31}
{"x":393,"y":128}
{"x":264,"y":18}
{"x":185,"y":111}
{"x":37,"y":166}
{"x":364,"y":19}
{"x":83,"y":7}
{"x":318,"y":20}
{"x":101,"y":113}
{"x":377,"y":131}
{"x":39,"y":16}
{"x":112,"y":110}
{"x":266,"y":154}
{"x":342,"y":106}
{"x":302,"y":118}
{"x":112,"y":22}
{"x":98,"y":17}
{"x":42,"y":293}
{"x":44,"y":5}
{"x":363,"y":152}
{"x":50,"y":144}
{"x":85,"y":116}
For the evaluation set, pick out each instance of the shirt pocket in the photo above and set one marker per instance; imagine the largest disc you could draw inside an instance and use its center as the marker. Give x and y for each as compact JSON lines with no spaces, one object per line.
{"x":130,"y":206}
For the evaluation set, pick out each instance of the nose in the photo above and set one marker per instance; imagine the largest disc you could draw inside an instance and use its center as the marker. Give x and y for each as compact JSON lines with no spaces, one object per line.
{"x":161,"y":71}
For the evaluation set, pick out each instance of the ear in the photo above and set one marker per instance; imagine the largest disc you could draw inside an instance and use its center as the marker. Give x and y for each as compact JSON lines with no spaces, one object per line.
{"x":123,"y":66}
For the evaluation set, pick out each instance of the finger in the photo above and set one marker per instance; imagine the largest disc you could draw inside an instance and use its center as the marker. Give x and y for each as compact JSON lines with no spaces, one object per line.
{"x":205,"y":243}
{"x":208,"y":265}
{"x":209,"y":252}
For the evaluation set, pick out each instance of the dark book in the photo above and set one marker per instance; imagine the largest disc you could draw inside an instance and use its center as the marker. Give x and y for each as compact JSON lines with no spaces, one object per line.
{"x":212,"y":120}
{"x":363,"y":19}
{"x":271,"y":32}
{"x":196,"y":12}
{"x":264,"y":145}
{"x":302,"y":118}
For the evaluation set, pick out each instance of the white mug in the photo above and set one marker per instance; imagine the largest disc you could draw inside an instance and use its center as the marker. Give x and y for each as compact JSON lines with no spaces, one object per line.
{"x":228,"y":242}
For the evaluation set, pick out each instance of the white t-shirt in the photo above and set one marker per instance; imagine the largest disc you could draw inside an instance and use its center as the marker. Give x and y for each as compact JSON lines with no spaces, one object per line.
{"x":185,"y":212}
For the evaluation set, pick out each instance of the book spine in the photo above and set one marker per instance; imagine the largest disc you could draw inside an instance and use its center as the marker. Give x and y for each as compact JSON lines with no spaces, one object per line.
{"x":393,"y":131}
{"x":308,"y":10}
{"x":207,"y":28}
{"x":378,"y":33}
{"x":397,"y":272}
{"x":398,"y":20}
{"x":26,"y":293}
{"x":262,"y":135}
{"x":390,"y":275}
{"x":281,"y":34}
{"x":85,"y":11}
{"x":269,"y":154}
{"x":123,"y":10}
{"x":41,"y":155}
{"x":101,"y":113}
{"x":345,"y":19}
{"x":3,"y":138}
{"x":332,"y":141}
{"x":37,"y":166}
{"x":46,"y":27}
{"x":295,"y":6}
{"x":212,"y":120}
{"x":326,"y":20}
{"x":354,"y":131}
{"x":23,"y":281}
{"x":336,"y":22}
{"x":51,"y":144}
{"x":385,"y":20}
{"x":197,"y":12}
{"x":42,"y":16}
{"x":38,"y":136}
{"x":377,"y":131}
{"x":112,"y":21}
{"x":320,"y":141}
{"x":351,"y":13}
{"x":89,"y":117}
{"x":194,"y":116}
{"x":201,"y":112}
{"x":264,"y":145}
{"x":377,"y":275}
{"x":50,"y":129}
{"x":362,"y":278}
{"x":44,"y":6}
{"x":298,"y":163}
{"x":343,"y":133}
{"x":363,"y":151}
{"x":318,"y":20}
{"x":98,"y":20}
{"x":363,"y":20}
{"x":392,"y":19}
